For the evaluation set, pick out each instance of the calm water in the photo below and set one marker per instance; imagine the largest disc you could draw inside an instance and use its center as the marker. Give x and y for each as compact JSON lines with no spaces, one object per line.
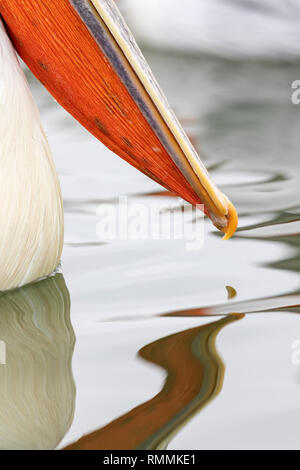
{"x":158,"y":358}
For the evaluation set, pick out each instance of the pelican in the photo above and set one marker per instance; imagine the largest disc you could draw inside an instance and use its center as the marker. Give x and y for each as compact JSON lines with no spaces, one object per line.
{"x":84,"y":54}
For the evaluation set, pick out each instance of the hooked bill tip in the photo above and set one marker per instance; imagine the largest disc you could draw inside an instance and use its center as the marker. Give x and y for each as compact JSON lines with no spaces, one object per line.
{"x":232,"y":221}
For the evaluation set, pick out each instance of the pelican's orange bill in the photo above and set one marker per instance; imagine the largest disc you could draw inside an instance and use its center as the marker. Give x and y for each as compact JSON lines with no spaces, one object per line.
{"x":84,"y":54}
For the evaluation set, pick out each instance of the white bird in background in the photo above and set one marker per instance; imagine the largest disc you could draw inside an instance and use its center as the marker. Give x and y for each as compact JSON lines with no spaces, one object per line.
{"x":236,"y":29}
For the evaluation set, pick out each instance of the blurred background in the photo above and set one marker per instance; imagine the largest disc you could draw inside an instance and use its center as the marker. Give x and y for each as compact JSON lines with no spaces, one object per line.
{"x":227,"y":68}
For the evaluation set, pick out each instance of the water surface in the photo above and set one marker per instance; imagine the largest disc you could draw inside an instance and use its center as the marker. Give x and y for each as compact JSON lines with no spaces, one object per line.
{"x":159,"y":358}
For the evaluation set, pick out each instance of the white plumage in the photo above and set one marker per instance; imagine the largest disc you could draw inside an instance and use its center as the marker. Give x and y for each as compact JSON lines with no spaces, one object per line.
{"x":258,"y":29}
{"x":31,"y":212}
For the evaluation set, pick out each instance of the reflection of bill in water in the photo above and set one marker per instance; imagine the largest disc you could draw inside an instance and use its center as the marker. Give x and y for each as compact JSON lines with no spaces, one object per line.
{"x":194,"y":377}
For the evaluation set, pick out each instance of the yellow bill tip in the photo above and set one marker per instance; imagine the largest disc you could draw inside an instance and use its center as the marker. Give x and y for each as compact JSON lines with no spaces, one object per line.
{"x":232,"y":221}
